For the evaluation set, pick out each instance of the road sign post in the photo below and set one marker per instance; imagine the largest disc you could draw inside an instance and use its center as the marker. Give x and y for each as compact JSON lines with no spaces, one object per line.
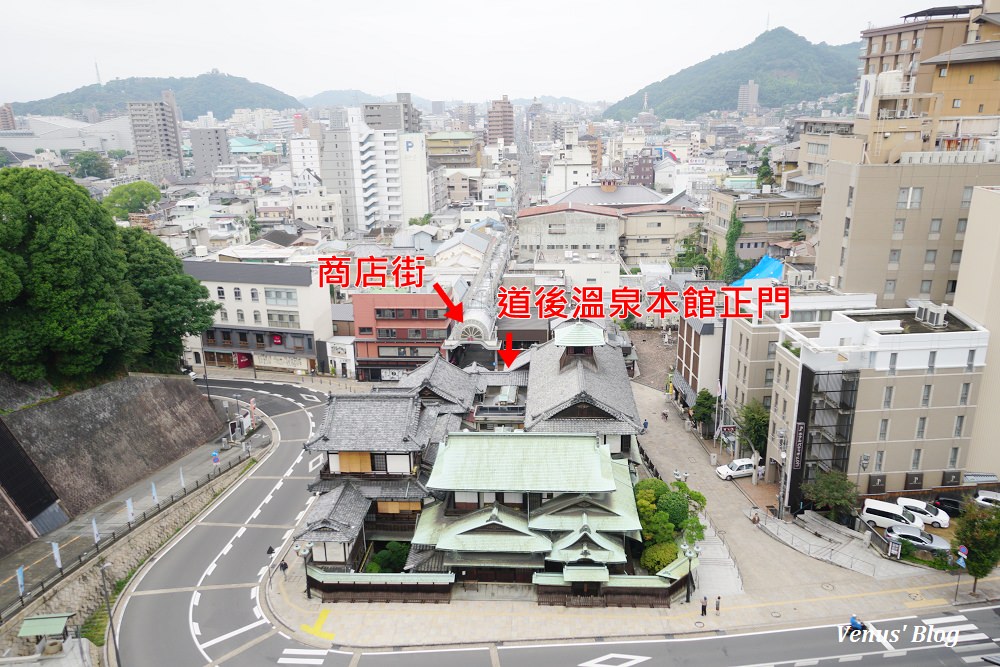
{"x":963,"y":553}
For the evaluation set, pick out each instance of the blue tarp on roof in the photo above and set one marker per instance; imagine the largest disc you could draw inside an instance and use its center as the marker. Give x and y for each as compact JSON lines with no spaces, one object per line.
{"x":767,"y":267}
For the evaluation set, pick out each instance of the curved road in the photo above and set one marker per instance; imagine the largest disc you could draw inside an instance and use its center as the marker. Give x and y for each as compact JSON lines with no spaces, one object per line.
{"x":195,"y":603}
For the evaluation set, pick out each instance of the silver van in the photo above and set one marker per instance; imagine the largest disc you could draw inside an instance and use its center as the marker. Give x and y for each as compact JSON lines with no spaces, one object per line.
{"x":883,"y":515}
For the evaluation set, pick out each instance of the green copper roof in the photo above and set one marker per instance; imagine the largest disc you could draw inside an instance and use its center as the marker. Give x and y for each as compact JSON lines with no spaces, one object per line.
{"x":383,"y":578}
{"x":586,"y":573}
{"x":580,"y":333}
{"x":46,"y":625}
{"x":522,"y":462}
{"x":613,"y":581}
{"x":586,"y":544}
{"x":492,"y":529}
{"x":678,"y":568}
{"x":606,"y":512}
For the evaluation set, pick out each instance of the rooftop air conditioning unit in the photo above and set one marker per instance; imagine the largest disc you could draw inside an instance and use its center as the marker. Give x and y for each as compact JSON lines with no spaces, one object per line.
{"x":932,"y":315}
{"x":812,"y":284}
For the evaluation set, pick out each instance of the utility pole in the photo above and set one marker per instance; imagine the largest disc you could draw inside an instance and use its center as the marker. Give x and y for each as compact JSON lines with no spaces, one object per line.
{"x":111,"y":618}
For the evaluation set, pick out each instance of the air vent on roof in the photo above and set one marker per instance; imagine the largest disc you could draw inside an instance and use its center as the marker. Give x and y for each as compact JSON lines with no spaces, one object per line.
{"x":932,"y":315}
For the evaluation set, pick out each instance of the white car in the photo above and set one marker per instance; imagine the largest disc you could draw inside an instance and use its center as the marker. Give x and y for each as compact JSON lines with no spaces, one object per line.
{"x":987,"y":498}
{"x":737,"y":468}
{"x":931,"y":515}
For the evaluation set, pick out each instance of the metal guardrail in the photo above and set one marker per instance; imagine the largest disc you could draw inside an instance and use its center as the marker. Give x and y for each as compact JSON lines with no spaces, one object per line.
{"x":827,"y":553}
{"x":9,"y":608}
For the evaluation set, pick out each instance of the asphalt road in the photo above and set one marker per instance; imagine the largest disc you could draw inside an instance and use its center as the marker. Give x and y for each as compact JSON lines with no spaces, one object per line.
{"x":196,"y":603}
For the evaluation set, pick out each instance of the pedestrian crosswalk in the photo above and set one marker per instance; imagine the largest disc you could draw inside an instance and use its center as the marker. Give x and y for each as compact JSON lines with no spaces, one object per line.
{"x":970,"y":643}
{"x":302,"y":656}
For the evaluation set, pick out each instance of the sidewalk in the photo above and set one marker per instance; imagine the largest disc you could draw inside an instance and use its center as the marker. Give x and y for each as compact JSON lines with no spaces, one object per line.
{"x":806,"y":592}
{"x":320,"y":382}
{"x":77,"y":536}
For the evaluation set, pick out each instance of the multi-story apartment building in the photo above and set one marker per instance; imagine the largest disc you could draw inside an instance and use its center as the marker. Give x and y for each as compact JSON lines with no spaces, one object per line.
{"x":322,"y":209}
{"x":349,"y":168}
{"x":272,"y":317}
{"x":699,"y":351}
{"x":652,"y":233}
{"x":387,"y":177}
{"x":156,"y":136}
{"x":639,"y":169}
{"x":500,"y":122}
{"x":7,"y":118}
{"x":746,"y":100}
{"x":416,"y":186}
{"x":396,"y":331}
{"x":886,"y":396}
{"x":465,"y":114}
{"x":596,"y":147}
{"x":766,"y":218}
{"x":570,"y":166}
{"x":453,"y":150}
{"x":814,"y":153}
{"x":304,"y":154}
{"x":209,"y":148}
{"x":568,"y":227}
{"x":400,"y":115}
{"x":978,"y":296}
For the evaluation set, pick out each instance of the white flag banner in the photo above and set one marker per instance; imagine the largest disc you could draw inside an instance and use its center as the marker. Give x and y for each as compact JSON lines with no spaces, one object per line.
{"x":156,"y":500}
{"x":131,"y":510}
{"x":97,"y":534}
{"x":55,"y":555}
{"x":182,"y":477}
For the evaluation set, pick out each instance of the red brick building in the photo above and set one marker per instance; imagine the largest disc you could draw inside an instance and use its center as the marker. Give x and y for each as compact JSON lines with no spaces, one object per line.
{"x":396,"y":332}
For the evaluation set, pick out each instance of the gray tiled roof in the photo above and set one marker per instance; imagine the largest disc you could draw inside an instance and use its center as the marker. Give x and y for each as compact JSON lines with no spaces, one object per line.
{"x":621,"y":196}
{"x":336,"y":516}
{"x":601,"y":381}
{"x":375,"y":489}
{"x":243,"y":272}
{"x":517,"y":378}
{"x":443,"y":378}
{"x":369,"y":423}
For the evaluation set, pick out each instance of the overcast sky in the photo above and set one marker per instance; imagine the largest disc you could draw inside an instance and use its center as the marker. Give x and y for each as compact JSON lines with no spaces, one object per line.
{"x":440,"y":49}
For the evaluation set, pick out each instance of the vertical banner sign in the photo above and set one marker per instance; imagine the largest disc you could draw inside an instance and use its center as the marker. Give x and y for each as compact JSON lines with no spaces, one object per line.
{"x":55,"y":555}
{"x":800,"y":438}
{"x":97,"y":534}
{"x":131,"y":510}
{"x":156,"y":501}
{"x":253,"y":413}
{"x":182,"y":477}
{"x":20,"y":581}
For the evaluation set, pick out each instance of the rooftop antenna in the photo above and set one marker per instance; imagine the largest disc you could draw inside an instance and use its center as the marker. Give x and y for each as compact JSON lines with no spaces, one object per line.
{"x":767,"y":23}
{"x":645,"y":101}
{"x":98,"y":74}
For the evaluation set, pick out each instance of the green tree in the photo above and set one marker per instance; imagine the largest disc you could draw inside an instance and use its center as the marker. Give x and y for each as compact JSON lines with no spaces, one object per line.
{"x":176,"y":304}
{"x":832,"y":490}
{"x":658,"y":528}
{"x":704,"y":408}
{"x":392,"y":558}
{"x":798,"y":235}
{"x":39,"y":151}
{"x":979,"y":529}
{"x":88,"y":164}
{"x":732,"y":265}
{"x":421,"y":221}
{"x":65,"y":305}
{"x":255,"y":228}
{"x":131,"y":198}
{"x":117,"y":154}
{"x":765,"y":174}
{"x":675,"y":504}
{"x":654,"y":484}
{"x":696,"y":499}
{"x":645,"y":504}
{"x":657,"y":556}
{"x":752,"y":421}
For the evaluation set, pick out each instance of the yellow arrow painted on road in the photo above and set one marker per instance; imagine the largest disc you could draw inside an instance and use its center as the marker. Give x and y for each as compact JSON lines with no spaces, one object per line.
{"x":316,"y":629}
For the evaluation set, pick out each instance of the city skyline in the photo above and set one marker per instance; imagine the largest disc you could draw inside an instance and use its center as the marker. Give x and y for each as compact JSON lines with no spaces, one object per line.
{"x":553,"y":32}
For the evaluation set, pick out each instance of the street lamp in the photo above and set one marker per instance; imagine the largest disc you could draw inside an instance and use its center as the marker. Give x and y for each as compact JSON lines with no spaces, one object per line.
{"x":862,"y":465}
{"x":690,"y":553}
{"x":304,"y":550}
{"x":239,"y":416}
{"x":111,"y":619}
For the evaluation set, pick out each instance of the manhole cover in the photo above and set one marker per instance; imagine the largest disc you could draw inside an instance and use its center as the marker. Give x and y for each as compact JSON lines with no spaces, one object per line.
{"x":827,"y":587}
{"x":776,"y":614}
{"x":699,"y":624}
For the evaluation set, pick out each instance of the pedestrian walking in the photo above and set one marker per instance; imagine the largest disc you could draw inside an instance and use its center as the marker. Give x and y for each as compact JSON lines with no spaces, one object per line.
{"x":704,"y":605}
{"x":718,"y":604}
{"x":645,"y":425}
{"x":283,"y":566}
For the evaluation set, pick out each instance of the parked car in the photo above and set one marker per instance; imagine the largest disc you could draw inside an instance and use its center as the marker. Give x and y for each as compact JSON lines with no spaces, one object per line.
{"x":921,"y":539}
{"x":927,"y":512}
{"x":737,"y":468}
{"x":987,"y":498}
{"x":883,"y":515}
{"x":953,"y":505}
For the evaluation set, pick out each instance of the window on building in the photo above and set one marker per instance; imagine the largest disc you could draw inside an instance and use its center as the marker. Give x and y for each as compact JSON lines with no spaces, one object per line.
{"x":601,"y":226}
{"x":223,"y":315}
{"x":894,"y":256}
{"x":220,"y":292}
{"x":970,"y":361}
{"x":254,"y":295}
{"x":769,"y":377}
{"x":386,"y":334}
{"x":930,"y":256}
{"x":942,"y":72}
{"x":887,"y":398}
{"x":953,"y":458}
{"x":847,"y":227}
{"x":766,"y":401}
{"x":925,"y":286}
{"x":893,"y":356}
{"x":379,"y":463}
{"x":921,"y":428}
{"x":925,"y":397}
{"x":935,"y":225}
{"x":771,"y":349}
{"x":915,"y":460}
{"x":890,"y":286}
{"x":365,"y":331}
{"x":237,"y":294}
{"x":951,"y":286}
{"x":879,"y":460}
{"x":963,"y":224}
{"x":414,"y":333}
{"x":239,"y":316}
{"x":274,"y":297}
{"x":959,"y":425}
{"x":982,"y":108}
{"x":784,"y":409}
{"x":963,"y":396}
{"x":898,"y":226}
{"x":956,"y":256}
{"x":931,"y":360}
{"x":967,"y":196}
{"x":956,"y":103}
{"x":256,"y":317}
{"x":909,"y":198}
{"x":787,"y":373}
{"x":883,"y":429}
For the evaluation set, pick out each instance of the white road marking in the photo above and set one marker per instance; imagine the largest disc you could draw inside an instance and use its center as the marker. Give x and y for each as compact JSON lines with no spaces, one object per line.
{"x":239,"y":533}
{"x":230,"y":635}
{"x":261,"y":571}
{"x":253,"y":593}
{"x":971,"y":659}
{"x":979,"y":636}
{"x":196,"y":598}
{"x":851,"y":658}
{"x":310,"y":397}
{"x":301,"y":661}
{"x":286,"y":535}
{"x":210,"y":570}
{"x":257,"y":612}
{"x":894,"y":654}
{"x":303,"y":651}
{"x":943,"y":619}
{"x":284,"y":635}
{"x":278,"y":485}
{"x":631,"y":660}
{"x":196,"y":629}
{"x":227,"y":548}
{"x":956,"y":628}
{"x":975,"y":647}
{"x":806,"y":663}
{"x":256,"y":513}
{"x":268,"y":499}
{"x":298,"y":517}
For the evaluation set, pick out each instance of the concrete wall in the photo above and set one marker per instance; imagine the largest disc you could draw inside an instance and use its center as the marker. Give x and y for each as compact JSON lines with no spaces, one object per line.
{"x":81,"y":591}
{"x":95,"y":443}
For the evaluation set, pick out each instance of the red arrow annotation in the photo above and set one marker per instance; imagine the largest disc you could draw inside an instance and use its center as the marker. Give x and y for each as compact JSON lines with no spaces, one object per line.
{"x":454,"y":311}
{"x":508,"y":354}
